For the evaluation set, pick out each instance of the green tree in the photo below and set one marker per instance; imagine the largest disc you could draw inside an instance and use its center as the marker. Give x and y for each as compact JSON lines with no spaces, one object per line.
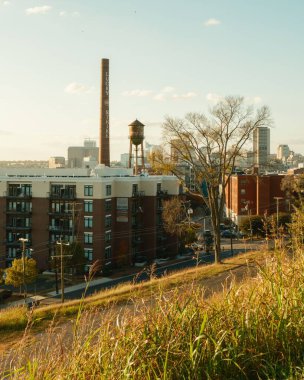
{"x":21,"y":272}
{"x":177,"y":220}
{"x":293,"y":185}
{"x":254,"y":224}
{"x":209,"y":147}
{"x":1,"y":276}
{"x":78,"y":259}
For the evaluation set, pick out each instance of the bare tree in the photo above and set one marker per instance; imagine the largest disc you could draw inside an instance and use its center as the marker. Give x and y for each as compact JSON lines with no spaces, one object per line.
{"x":210,"y":147}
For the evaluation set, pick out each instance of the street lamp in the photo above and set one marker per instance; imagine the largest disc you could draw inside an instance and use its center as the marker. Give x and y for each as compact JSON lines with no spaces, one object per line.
{"x":189,"y":212}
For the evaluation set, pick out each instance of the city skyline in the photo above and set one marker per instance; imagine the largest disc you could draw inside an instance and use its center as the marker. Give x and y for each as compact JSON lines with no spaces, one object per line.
{"x":166,"y":58}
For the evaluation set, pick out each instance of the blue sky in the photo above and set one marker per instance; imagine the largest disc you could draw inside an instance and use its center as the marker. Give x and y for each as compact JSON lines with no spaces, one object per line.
{"x":167,"y":57}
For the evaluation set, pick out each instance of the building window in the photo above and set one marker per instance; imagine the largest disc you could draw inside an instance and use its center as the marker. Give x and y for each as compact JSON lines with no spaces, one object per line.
{"x":108,"y":190}
{"x":88,"y":222}
{"x":134,"y":189}
{"x":88,"y":254}
{"x":88,"y":206}
{"x":108,"y":253}
{"x":88,"y":190}
{"x":108,"y":205}
{"x":243,"y":191}
{"x":88,"y":238}
{"x":108,"y":221}
{"x":108,"y":236}
{"x":158,"y":188}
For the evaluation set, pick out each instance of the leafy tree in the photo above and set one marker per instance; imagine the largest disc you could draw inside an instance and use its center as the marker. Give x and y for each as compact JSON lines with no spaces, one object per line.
{"x":78,"y":259}
{"x":177,"y":220}
{"x":21,"y":272}
{"x":1,"y":276}
{"x":253,"y":224}
{"x":209,"y":146}
{"x":294,"y":187}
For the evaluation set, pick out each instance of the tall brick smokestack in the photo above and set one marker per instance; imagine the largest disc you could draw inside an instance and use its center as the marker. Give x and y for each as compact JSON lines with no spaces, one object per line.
{"x":104,"y":130}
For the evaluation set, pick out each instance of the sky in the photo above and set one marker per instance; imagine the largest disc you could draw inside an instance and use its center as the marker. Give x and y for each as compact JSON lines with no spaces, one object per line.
{"x":167,"y":58}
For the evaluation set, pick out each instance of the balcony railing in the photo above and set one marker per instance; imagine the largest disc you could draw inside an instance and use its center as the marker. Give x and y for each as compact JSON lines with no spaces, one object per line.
{"x":18,"y":228}
{"x":21,"y":195}
{"x":162,"y":193}
{"x":137,"y":194}
{"x":18,"y":211}
{"x":70,"y":195}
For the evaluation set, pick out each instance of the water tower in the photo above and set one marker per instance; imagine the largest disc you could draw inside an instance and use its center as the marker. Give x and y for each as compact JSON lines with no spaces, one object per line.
{"x":136,"y":136}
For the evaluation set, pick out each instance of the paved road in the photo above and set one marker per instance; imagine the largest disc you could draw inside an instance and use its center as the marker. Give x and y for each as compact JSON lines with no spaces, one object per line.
{"x":238,"y":247}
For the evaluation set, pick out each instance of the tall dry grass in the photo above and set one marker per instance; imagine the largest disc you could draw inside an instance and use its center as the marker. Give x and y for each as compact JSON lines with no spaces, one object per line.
{"x":250,"y":331}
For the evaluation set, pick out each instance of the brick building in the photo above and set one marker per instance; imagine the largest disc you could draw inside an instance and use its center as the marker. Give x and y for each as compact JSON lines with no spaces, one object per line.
{"x":114,"y":216}
{"x":255,"y":195}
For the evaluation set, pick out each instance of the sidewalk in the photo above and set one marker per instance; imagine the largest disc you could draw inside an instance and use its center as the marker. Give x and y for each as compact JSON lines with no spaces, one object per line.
{"x":81,"y":286}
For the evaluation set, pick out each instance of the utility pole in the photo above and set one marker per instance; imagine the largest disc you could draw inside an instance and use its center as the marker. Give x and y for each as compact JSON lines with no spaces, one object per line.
{"x":62,"y":267}
{"x":277,"y":200}
{"x":23,"y":241}
{"x":249,"y":217}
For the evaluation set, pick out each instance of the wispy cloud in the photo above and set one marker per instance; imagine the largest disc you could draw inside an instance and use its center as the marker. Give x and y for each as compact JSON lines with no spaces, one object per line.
{"x":213,"y":98}
{"x":4,"y":2}
{"x":161,"y":97}
{"x":78,"y":88}
{"x":38,"y":10}
{"x":168,"y":89}
{"x":253,"y":99}
{"x":212,"y":22}
{"x":167,"y":93}
{"x":68,"y":14}
{"x":138,"y":93}
{"x":187,"y":95}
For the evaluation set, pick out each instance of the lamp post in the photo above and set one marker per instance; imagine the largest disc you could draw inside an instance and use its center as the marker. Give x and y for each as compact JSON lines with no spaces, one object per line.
{"x":189,"y":212}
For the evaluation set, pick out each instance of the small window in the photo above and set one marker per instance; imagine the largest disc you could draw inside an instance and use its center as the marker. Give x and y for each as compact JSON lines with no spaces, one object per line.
{"x":108,"y":253}
{"x":108,"y":190}
{"x":88,"y":253}
{"x":108,"y":205}
{"x":88,"y":221}
{"x":134,"y":189}
{"x":88,"y":238}
{"x":88,"y":190}
{"x":88,"y":206}
{"x":243,"y":191}
{"x":108,"y":236}
{"x":108,"y":221}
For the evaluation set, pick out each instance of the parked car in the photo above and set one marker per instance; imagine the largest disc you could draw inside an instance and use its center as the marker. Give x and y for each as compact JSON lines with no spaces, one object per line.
{"x":188,"y":251}
{"x":5,"y":293}
{"x":197,"y":246}
{"x":229,"y":234}
{"x":208,"y":241}
{"x":140,"y":261}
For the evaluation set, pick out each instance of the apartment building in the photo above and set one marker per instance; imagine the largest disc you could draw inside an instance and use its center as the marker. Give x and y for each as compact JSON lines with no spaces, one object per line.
{"x":254,"y":195}
{"x":115,"y":216}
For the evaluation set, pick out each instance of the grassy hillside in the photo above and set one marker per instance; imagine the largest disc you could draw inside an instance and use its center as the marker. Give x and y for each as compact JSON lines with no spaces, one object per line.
{"x":168,"y":331}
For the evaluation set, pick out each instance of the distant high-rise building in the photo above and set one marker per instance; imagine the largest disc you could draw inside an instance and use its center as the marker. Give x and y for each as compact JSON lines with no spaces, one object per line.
{"x":261,"y":146}
{"x":283,"y":152}
{"x":56,"y":162}
{"x":77,"y":154}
